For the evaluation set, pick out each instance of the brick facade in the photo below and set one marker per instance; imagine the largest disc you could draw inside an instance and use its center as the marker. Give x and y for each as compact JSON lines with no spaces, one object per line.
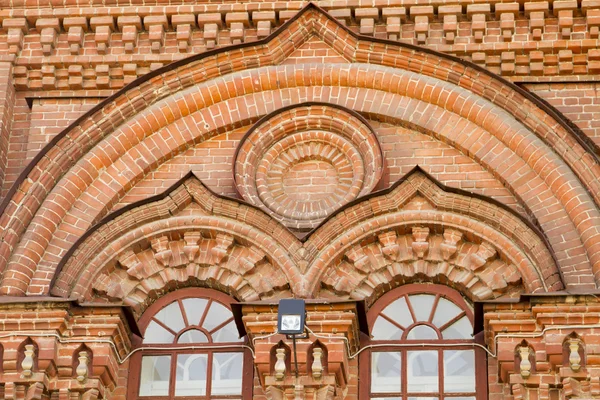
{"x":271,"y":150}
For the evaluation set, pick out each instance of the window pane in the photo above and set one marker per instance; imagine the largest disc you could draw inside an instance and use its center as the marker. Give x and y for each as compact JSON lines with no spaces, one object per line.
{"x":228,"y":333}
{"x":154,"y":379}
{"x":217,"y":314}
{"x":422,"y":332}
{"x":461,"y":329}
{"x":422,"y":371}
{"x":459,"y":371}
{"x":399,"y":312}
{"x":385,"y":372}
{"x":194,"y":310}
{"x":462,"y":398}
{"x":157,"y":334}
{"x":444,"y":312}
{"x":386,"y":398}
{"x":427,"y":398}
{"x":422,"y":304}
{"x":171,"y":317}
{"x":192,"y":336}
{"x":191,"y":375}
{"x":227,"y":373}
{"x":385,"y":330}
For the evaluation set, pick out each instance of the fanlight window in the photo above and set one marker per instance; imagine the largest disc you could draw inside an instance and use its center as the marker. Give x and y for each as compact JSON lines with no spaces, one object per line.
{"x":186,"y":352}
{"x":430,"y":315}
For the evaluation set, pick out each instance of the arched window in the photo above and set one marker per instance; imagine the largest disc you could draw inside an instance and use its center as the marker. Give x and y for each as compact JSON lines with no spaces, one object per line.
{"x":191,"y":350}
{"x":421,"y":347}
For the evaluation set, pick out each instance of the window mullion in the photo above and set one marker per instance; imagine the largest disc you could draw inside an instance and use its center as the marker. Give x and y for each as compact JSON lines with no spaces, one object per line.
{"x":172,"y":375}
{"x":209,"y":374}
{"x":441,"y":373}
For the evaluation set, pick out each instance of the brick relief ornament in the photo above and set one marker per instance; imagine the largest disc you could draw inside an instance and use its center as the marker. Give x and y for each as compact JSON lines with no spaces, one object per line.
{"x":300,"y":164}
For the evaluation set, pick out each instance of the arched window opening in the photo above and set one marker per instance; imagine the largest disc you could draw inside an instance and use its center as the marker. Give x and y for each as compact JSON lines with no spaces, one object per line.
{"x":190,"y":350}
{"x":422,"y":338}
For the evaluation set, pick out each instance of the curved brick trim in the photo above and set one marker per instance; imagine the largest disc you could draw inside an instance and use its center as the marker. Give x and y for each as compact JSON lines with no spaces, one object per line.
{"x":164,"y":220}
{"x":97,"y":126}
{"x":515,"y":240}
{"x":427,"y":118}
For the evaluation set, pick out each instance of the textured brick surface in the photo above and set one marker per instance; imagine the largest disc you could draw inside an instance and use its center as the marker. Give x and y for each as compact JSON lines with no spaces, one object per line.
{"x":580,"y":102}
{"x":486,"y":190}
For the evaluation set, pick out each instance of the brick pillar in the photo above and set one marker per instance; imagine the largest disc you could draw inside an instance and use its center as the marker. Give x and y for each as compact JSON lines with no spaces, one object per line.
{"x":325,"y":369}
{"x":7,"y":101}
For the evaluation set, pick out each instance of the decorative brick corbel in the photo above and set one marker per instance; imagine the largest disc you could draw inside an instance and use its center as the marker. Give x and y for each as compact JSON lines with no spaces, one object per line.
{"x":221,"y":250}
{"x":565,"y":62}
{"x":592,"y":18}
{"x":450,"y":16}
{"x":129,"y":73}
{"x":76,"y":28}
{"x":421,"y":15}
{"x":251,"y":259}
{"x":210,"y":24}
{"x":102,"y":76}
{"x":564,"y":11}
{"x":264,"y":21}
{"x":48,"y":28}
{"x":450,"y":244}
{"x":75,"y":76}
{"x":48,"y":77}
{"x":129,"y":27}
{"x":132,"y":264}
{"x":16,"y":29}
{"x":343,"y":15}
{"x":156,"y":25}
{"x":103,"y":28}
{"x":394,"y":17}
{"x":162,"y":250}
{"x":593,"y":61}
{"x":478,"y":13}
{"x":367,"y":17}
{"x":20,"y":74}
{"x":184,"y":25}
{"x":237,"y":23}
{"x":389,"y":244}
{"x":507,"y":66}
{"x":484,"y":253}
{"x":537,"y":12}
{"x":507,"y":13}
{"x":536,"y":63}
{"x":356,"y":255}
{"x":420,"y":245}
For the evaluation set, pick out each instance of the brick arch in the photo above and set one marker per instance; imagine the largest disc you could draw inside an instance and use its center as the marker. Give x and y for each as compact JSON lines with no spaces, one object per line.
{"x":185,"y":237}
{"x":148,"y":109}
{"x":127,"y":164}
{"x":420,"y":230}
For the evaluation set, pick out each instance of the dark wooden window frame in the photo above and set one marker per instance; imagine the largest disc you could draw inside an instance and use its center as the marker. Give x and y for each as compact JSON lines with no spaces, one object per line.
{"x":135,"y":364}
{"x":407,"y":345}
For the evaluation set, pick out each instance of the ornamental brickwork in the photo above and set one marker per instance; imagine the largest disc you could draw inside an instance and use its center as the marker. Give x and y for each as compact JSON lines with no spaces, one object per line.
{"x":336,"y":152}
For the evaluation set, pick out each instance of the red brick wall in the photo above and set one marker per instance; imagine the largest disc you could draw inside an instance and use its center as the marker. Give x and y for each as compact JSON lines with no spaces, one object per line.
{"x":580,"y":102}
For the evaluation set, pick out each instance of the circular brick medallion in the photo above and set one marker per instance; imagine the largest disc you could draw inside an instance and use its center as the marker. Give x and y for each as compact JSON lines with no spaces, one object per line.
{"x":302,"y":163}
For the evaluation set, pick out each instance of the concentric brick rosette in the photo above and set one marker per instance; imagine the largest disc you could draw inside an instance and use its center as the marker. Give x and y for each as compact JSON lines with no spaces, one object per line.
{"x":304,"y":162}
